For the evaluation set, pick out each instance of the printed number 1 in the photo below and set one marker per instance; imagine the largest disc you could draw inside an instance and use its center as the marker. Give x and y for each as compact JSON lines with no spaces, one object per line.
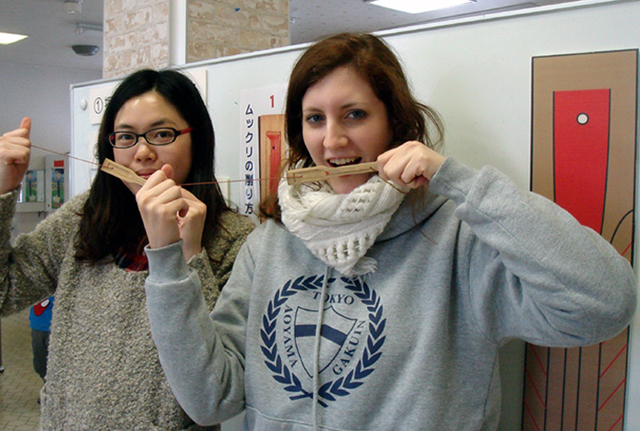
{"x":272,"y":100}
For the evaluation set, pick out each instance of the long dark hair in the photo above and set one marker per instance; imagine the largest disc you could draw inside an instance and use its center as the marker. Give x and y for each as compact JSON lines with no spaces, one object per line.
{"x":110,"y":220}
{"x":372,"y":59}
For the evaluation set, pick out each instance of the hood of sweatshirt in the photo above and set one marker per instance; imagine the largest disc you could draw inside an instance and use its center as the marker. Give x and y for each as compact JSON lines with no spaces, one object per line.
{"x":416,"y":208}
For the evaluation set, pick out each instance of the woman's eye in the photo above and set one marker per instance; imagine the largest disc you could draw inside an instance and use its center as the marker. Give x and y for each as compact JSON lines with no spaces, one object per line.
{"x":124,"y":137}
{"x":358,"y":113}
{"x":312,"y":119}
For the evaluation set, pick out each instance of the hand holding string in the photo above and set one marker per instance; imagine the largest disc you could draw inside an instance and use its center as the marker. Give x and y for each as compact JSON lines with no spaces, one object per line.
{"x":170,"y":213}
{"x":411,"y":164}
{"x":15,"y":152}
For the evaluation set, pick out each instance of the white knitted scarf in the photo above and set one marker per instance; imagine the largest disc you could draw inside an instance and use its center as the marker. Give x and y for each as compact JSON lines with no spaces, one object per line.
{"x":339,"y":228}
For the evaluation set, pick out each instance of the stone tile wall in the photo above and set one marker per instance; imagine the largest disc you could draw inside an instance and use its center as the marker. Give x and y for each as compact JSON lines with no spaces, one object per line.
{"x":136,"y":32}
{"x":219,"y":28}
{"x":136,"y":35}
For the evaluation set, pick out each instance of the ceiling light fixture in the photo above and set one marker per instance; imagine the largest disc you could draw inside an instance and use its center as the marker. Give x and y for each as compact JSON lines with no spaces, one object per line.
{"x":418,"y":6}
{"x":85,"y":50}
{"x":7,"y":38}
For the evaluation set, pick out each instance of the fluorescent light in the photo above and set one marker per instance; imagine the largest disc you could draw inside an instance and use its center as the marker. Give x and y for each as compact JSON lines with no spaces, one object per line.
{"x":418,"y":6}
{"x":7,"y":38}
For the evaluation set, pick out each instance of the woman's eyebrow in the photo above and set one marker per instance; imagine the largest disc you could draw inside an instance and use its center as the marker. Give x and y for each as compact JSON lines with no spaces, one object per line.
{"x":157,"y":123}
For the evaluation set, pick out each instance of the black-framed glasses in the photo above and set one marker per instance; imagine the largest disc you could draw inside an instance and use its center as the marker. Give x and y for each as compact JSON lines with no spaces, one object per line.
{"x":158,"y":136}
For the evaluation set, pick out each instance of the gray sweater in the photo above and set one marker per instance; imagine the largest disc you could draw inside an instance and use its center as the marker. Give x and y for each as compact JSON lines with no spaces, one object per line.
{"x":103,"y":370}
{"x":413,"y":346}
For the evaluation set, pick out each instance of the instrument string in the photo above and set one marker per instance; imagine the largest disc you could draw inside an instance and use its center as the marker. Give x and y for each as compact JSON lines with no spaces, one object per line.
{"x":200,"y":183}
{"x":66,"y":155}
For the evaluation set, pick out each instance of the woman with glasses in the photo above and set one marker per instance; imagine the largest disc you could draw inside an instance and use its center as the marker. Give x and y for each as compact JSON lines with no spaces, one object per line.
{"x":103,"y":371}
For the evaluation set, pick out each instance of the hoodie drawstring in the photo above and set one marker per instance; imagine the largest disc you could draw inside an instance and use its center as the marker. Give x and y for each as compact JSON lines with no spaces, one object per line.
{"x":316,"y":352}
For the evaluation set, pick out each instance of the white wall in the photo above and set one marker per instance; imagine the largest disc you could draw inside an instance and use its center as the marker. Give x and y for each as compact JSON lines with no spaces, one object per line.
{"x":43,"y":94}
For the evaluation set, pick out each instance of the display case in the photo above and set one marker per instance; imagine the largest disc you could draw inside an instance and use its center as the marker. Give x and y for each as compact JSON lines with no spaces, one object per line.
{"x":44,"y":190}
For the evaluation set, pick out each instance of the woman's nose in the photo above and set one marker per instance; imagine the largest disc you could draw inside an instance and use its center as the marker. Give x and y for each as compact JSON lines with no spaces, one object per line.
{"x":335,"y":136}
{"x":144,"y":151}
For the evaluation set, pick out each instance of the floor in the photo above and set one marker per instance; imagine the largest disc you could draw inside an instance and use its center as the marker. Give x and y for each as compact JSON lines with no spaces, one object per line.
{"x":19,"y":383}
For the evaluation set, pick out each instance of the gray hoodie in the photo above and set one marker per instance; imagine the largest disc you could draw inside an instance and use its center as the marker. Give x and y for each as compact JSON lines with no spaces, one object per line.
{"x":413,"y":346}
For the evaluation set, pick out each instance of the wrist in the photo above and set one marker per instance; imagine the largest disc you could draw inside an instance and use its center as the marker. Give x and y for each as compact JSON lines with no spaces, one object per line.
{"x":434,"y":167}
{"x":163,"y":238}
{"x":189,"y":252}
{"x":10,"y":189}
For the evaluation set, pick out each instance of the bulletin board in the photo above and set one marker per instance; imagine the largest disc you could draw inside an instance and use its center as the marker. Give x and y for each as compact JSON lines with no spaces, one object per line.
{"x":584,"y":138}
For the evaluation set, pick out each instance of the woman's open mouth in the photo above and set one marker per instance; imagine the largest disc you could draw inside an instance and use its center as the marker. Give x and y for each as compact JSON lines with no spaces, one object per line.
{"x":346,"y":161}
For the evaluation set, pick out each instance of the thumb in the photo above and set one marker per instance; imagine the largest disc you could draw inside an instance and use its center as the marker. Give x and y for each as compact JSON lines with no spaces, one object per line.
{"x":168,"y":171}
{"x":26,"y":124}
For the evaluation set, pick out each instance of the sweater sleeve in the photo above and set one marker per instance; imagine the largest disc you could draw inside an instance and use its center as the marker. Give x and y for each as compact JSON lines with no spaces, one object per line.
{"x":530,"y":269}
{"x":29,"y":268}
{"x":202,"y":355}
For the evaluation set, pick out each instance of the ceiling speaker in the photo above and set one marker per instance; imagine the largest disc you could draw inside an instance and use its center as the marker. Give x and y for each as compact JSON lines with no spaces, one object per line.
{"x":85,"y":50}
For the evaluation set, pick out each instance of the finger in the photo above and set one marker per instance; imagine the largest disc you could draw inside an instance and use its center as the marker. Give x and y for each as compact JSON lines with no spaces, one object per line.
{"x":158,"y":177}
{"x":382,"y":167}
{"x":395,"y":168}
{"x":413,"y":178}
{"x":18,"y":133}
{"x":153,"y":197}
{"x":386,"y":156}
{"x":26,"y":124}
{"x":188,"y":195}
{"x":390,"y":163}
{"x":174,"y":197}
{"x":15,"y":157}
{"x":184,"y":210}
{"x":14,"y":150}
{"x":178,"y":207}
{"x":168,"y":170}
{"x":166,"y":207}
{"x":197,"y":208}
{"x":159,"y":182}
{"x":165,"y":193}
{"x":410,"y":164}
{"x":23,"y":131}
{"x":412,"y":172}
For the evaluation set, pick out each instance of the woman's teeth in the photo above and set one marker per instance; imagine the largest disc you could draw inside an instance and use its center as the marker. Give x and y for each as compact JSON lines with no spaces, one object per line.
{"x":345,"y":161}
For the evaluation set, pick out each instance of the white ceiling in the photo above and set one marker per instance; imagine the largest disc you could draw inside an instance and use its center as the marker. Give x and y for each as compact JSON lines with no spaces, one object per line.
{"x":313,"y":19}
{"x":52,"y":32}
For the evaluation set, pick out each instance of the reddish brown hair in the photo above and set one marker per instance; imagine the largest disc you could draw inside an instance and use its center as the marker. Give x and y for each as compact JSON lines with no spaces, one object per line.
{"x":376,"y":63}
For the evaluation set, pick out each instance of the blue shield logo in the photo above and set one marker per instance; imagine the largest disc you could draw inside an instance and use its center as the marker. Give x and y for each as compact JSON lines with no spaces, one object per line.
{"x":333,"y":336}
